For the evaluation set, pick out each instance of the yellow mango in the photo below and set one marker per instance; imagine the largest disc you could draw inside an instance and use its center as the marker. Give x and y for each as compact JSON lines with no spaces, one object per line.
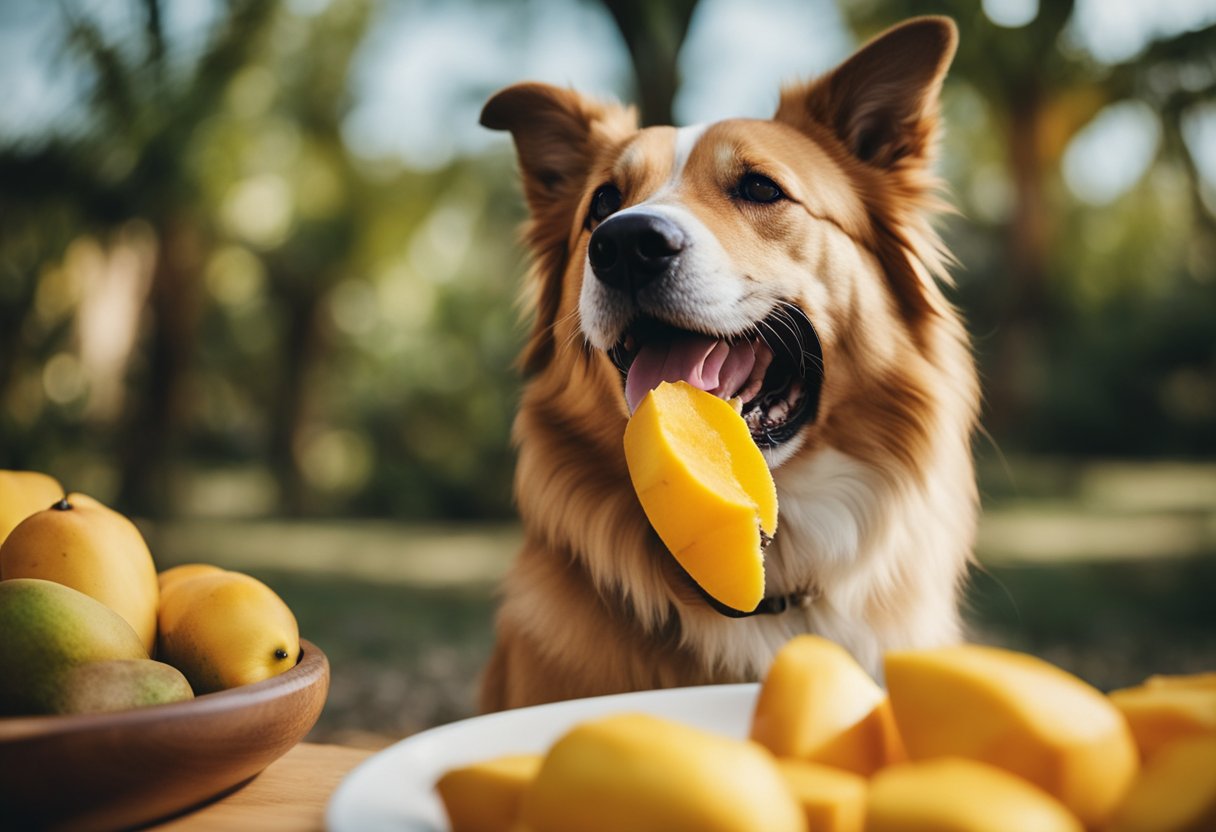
{"x":81,"y":543}
{"x":1019,"y":713}
{"x":1176,"y":791}
{"x":170,"y":577}
{"x":958,"y":795}
{"x":818,"y":704}
{"x":643,"y":774}
{"x":484,"y":797}
{"x":21,"y":494}
{"x":1161,"y":713}
{"x":705,"y":488}
{"x":226,"y":629}
{"x":832,"y":800}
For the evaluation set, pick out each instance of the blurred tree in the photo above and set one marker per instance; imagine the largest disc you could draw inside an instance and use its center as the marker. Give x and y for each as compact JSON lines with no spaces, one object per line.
{"x":129,"y":165}
{"x":654,"y":33}
{"x":1040,"y":93}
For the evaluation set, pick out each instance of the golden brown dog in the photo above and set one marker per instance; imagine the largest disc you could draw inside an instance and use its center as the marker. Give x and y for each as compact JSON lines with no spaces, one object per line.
{"x":789,"y":262}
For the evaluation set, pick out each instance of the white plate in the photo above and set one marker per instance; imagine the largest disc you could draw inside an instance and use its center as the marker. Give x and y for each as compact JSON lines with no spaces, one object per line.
{"x":394,"y":790}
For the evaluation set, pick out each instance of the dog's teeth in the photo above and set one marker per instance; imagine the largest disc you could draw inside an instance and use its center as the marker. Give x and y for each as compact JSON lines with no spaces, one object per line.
{"x":778,"y":412}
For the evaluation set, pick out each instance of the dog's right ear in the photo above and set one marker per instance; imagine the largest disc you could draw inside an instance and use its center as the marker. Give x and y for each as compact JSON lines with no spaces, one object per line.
{"x":557,"y":133}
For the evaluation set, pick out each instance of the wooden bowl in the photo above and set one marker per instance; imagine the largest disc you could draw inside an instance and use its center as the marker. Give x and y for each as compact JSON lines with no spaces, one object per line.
{"x":114,"y":770}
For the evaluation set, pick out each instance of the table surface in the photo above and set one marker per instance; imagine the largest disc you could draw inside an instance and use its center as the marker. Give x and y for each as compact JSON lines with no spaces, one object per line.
{"x":289,"y":796}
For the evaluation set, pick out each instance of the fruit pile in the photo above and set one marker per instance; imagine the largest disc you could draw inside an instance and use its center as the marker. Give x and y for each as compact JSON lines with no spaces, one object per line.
{"x":964,"y":739}
{"x":88,"y":625}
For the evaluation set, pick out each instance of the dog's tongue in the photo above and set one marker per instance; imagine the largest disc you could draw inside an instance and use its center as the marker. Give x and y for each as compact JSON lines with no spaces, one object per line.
{"x":706,"y":363}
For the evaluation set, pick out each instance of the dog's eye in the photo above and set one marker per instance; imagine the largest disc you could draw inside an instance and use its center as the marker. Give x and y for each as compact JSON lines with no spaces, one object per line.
{"x":605,"y":202}
{"x":756,"y":188}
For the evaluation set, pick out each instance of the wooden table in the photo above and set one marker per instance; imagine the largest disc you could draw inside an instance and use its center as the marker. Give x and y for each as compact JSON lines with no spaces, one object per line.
{"x":289,"y":796}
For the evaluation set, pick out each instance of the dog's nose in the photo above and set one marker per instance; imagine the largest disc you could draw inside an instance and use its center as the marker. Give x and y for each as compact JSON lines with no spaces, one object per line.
{"x":630,"y":250}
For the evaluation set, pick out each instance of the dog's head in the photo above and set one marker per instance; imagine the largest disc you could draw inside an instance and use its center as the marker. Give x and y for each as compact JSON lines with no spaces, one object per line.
{"x":787,"y":262}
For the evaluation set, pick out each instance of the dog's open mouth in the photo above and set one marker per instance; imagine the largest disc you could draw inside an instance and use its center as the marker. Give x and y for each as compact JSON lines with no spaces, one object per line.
{"x":775,"y":368}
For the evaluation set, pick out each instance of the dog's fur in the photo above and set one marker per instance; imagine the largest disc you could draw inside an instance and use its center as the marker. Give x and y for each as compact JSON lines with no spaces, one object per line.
{"x":877,"y":494}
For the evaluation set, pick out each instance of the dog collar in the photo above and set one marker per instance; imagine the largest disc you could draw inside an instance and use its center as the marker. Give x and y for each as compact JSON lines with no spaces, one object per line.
{"x":769,"y":605}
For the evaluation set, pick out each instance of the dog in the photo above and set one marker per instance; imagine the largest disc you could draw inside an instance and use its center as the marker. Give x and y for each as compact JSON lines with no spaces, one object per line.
{"x":790,"y":262}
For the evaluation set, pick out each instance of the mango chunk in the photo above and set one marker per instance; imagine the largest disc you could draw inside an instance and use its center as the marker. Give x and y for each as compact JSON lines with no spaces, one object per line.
{"x":1018,"y":713}
{"x":1161,"y":713}
{"x":832,"y":800}
{"x":957,"y":795}
{"x":818,"y":704}
{"x":705,"y":488}
{"x":484,"y":797}
{"x":1176,"y":791}
{"x":643,"y":774}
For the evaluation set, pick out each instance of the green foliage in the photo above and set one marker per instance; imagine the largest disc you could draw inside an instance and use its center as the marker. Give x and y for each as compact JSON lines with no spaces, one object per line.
{"x":210,"y":304}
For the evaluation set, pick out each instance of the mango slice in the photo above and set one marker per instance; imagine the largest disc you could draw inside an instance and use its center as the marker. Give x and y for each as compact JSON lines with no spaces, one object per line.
{"x":1176,"y":792}
{"x":643,"y":774}
{"x":484,"y":797}
{"x":832,"y":800}
{"x":1019,"y":713}
{"x":818,"y":704}
{"x":957,"y":795}
{"x":1161,"y":712}
{"x":705,"y":488}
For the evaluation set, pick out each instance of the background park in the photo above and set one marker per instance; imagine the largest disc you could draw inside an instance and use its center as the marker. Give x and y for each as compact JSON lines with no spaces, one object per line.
{"x":259,"y":280}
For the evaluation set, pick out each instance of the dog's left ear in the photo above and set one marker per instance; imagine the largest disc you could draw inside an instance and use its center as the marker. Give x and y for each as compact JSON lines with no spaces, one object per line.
{"x":881,"y":103}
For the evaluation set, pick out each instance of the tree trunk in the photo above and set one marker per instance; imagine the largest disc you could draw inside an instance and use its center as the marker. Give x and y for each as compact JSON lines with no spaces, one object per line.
{"x":155,"y":428}
{"x":654,"y":32}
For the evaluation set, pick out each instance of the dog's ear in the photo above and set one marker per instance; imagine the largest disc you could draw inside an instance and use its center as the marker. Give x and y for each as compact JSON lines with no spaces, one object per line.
{"x":558,"y":134}
{"x":882,"y":103}
{"x":881,"y":106}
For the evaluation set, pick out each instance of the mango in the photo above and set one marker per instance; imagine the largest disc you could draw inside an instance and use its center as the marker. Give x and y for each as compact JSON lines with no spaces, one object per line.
{"x":705,"y":488}
{"x":226,"y":629}
{"x":818,"y":704}
{"x":484,"y":797}
{"x":1019,"y":713}
{"x":118,"y":685}
{"x":46,"y":628}
{"x":643,"y":774}
{"x":1176,"y":791}
{"x":171,"y":577}
{"x":80,"y":543}
{"x":21,"y":494}
{"x":1160,"y":713}
{"x":832,"y":800}
{"x":957,"y":795}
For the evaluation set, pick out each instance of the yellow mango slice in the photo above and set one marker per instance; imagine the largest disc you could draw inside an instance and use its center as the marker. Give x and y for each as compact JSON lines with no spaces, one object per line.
{"x":1176,"y":791}
{"x":484,"y":797}
{"x":1019,"y":713}
{"x":1161,"y":713}
{"x":832,"y":800}
{"x":957,"y":795}
{"x":818,"y":704}
{"x":705,"y":488}
{"x":643,"y":774}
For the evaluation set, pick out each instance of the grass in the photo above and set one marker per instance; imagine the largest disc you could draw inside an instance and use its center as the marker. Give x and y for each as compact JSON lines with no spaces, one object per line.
{"x":1106,"y":569}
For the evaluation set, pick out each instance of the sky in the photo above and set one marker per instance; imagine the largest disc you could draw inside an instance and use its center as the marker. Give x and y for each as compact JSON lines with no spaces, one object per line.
{"x":425,"y":68}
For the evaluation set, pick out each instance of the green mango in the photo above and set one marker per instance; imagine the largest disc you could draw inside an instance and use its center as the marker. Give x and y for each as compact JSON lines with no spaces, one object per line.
{"x":117,"y":685}
{"x":47,"y":628}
